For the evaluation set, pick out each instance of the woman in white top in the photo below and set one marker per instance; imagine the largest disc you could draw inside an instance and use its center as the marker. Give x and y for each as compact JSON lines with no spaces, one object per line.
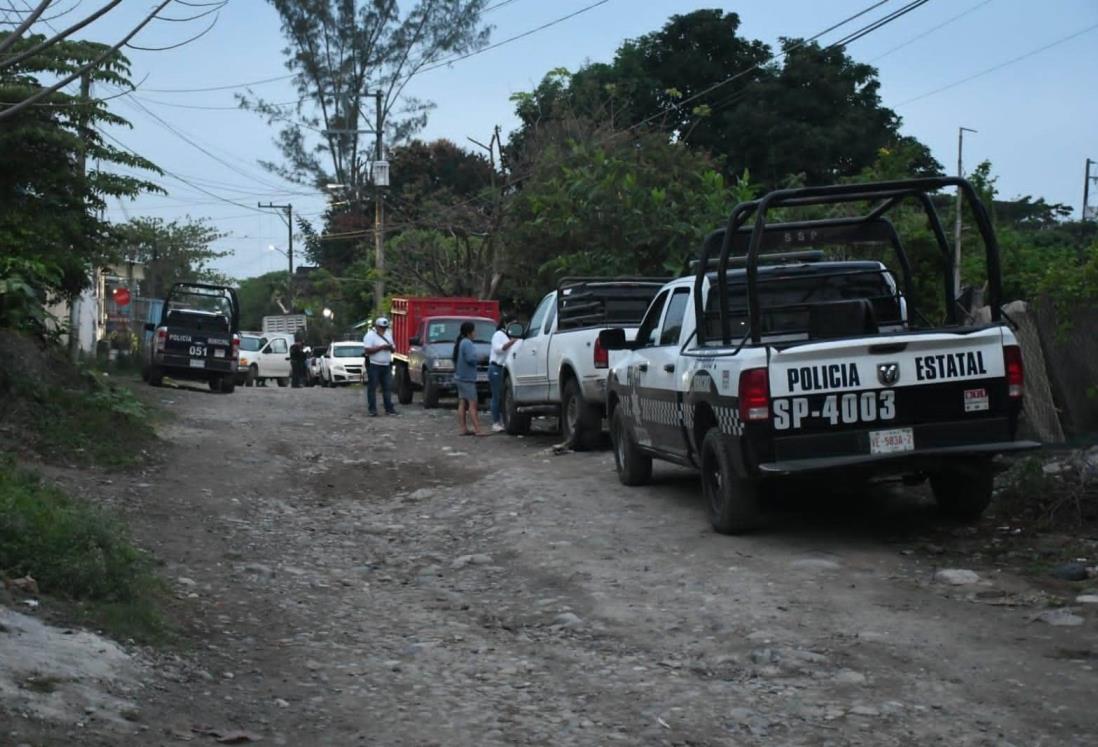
{"x":501,"y":344}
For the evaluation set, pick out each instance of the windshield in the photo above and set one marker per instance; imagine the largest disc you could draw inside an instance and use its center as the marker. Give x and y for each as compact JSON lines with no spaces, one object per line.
{"x":347,"y":351}
{"x":250,"y":344}
{"x":447,"y":330}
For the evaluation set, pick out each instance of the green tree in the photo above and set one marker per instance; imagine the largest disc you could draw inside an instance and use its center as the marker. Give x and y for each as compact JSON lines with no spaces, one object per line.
{"x":49,"y":201}
{"x":816,"y":113}
{"x":171,"y":252}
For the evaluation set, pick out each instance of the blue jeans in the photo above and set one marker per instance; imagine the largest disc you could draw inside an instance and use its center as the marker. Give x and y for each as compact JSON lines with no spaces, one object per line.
{"x":383,"y":375}
{"x":495,"y":379}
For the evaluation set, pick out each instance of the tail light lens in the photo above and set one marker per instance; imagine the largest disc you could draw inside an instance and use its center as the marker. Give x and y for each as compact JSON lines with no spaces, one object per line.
{"x":602,"y":355}
{"x":236,"y":347}
{"x":754,"y":395}
{"x":161,"y":338}
{"x":1015,"y":371}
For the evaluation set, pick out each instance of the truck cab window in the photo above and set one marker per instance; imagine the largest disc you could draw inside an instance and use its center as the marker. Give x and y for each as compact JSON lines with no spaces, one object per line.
{"x":539,"y":317}
{"x":672,"y":321}
{"x":647,"y":335}
{"x":278,"y":346}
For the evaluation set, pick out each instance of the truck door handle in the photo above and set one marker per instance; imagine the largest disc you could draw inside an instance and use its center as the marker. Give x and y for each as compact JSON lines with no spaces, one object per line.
{"x":642,"y":367}
{"x":669,"y":367}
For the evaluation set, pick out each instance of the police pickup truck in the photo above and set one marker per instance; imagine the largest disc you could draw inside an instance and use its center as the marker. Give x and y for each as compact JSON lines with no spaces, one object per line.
{"x":197,"y":338}
{"x":773,"y":362}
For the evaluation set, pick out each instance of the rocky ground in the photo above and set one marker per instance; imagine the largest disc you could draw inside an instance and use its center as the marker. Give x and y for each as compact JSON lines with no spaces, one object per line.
{"x":343,"y":580}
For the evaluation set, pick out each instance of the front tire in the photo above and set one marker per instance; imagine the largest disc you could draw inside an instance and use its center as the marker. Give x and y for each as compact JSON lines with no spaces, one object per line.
{"x":404,"y":385}
{"x":430,"y":392}
{"x":963,"y":491}
{"x":514,"y":422}
{"x":634,"y":467}
{"x":283,"y":382}
{"x":733,"y":501}
{"x":579,"y":421}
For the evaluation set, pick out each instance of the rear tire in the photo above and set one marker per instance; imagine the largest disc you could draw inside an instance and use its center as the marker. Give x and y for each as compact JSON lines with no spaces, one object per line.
{"x":156,"y":376}
{"x":580,"y":422}
{"x":283,"y":382}
{"x":252,"y":376}
{"x":404,"y":386}
{"x":963,"y":491}
{"x":228,"y":384}
{"x":634,"y":467}
{"x":514,"y":422}
{"x":430,"y":392}
{"x":733,"y":501}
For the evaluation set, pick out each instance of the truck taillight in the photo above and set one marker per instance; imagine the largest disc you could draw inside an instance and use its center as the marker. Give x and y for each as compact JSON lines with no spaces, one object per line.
{"x":1015,"y":371}
{"x":602,"y":355}
{"x":161,"y":338}
{"x":754,"y":395}
{"x":235,"y":352}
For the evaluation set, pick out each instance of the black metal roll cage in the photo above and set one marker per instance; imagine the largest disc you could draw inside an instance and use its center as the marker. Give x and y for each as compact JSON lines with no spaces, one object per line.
{"x":871,"y":227}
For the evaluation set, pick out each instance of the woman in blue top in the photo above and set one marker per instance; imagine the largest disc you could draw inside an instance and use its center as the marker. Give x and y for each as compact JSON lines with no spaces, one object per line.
{"x":465,"y":377}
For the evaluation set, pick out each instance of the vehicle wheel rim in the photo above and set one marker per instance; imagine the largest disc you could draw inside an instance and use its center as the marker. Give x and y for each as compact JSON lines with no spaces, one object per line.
{"x":571,"y":415}
{"x":711,"y":477}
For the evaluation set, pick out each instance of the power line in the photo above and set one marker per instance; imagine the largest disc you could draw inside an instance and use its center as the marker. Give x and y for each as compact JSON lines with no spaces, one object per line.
{"x":523,"y":35}
{"x":1001,"y":65}
{"x":931,"y":30}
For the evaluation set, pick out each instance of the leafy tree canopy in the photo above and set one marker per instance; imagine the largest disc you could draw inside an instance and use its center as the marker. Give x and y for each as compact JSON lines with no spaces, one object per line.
{"x":171,"y":252}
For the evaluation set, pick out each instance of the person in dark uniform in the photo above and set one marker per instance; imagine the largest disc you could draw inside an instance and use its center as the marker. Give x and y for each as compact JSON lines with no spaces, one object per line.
{"x":297,"y":363}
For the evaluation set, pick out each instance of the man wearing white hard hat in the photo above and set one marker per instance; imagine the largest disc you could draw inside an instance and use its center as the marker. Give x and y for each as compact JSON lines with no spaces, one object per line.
{"x":379,"y":367}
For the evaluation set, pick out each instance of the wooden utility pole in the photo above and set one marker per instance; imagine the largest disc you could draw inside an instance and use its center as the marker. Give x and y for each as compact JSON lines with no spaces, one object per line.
{"x":74,"y":310}
{"x":379,"y":210}
{"x":957,"y":227}
{"x":289,"y":218}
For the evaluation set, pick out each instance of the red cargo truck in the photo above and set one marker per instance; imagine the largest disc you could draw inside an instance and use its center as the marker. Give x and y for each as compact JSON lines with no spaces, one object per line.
{"x":424,"y":332}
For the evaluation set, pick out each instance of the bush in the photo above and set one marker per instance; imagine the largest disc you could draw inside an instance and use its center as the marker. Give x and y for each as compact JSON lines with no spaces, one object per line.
{"x":70,"y":547}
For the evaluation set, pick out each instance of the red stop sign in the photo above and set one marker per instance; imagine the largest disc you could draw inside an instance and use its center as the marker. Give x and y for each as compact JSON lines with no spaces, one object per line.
{"x":122,"y":296}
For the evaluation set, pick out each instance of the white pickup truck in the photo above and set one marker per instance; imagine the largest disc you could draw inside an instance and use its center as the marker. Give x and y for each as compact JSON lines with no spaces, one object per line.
{"x":788,"y":365}
{"x":559,"y":366}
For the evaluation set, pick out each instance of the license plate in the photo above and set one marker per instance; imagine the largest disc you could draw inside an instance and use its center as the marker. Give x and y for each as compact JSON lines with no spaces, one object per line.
{"x":482,"y":377}
{"x":891,"y":441}
{"x":219,"y":354}
{"x":198,"y":363}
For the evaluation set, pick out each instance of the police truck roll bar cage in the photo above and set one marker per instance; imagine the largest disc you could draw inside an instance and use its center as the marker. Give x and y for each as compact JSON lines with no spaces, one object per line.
{"x":872,"y":227}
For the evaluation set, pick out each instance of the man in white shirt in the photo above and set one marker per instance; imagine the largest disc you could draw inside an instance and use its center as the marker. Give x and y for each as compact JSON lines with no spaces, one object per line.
{"x":379,"y":366}
{"x":501,"y":344}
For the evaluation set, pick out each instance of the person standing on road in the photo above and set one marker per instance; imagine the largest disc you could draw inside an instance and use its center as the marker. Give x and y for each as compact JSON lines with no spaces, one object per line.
{"x":379,"y":368}
{"x":501,"y":343}
{"x":465,"y":378}
{"x":297,"y":363}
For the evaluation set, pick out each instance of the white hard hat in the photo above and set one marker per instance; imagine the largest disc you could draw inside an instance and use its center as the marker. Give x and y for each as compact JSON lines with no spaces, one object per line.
{"x":382,"y":321}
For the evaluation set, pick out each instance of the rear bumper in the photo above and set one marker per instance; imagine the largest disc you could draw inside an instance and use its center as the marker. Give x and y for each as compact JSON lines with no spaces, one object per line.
{"x":179,"y":367}
{"x":911,"y":461}
{"x":594,"y":388}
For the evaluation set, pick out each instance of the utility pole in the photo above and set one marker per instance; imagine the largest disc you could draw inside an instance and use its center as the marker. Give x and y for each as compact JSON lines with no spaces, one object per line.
{"x":74,"y":311}
{"x":1086,"y":189}
{"x":379,"y":208}
{"x":957,"y":228}
{"x":289,"y":218}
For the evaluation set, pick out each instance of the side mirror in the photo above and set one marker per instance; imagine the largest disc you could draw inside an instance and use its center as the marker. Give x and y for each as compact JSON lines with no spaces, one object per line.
{"x":415,"y":341}
{"x":150,"y":327}
{"x":614,"y":339}
{"x":516,"y":329}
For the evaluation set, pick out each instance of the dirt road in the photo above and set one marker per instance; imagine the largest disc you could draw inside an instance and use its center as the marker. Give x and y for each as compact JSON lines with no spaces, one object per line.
{"x":344,"y":580}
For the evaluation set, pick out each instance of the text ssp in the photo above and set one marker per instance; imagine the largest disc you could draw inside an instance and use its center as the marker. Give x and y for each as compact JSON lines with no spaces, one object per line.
{"x":835,"y":409}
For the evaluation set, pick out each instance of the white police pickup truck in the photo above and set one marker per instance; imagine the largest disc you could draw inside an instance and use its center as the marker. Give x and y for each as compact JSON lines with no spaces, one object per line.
{"x":800,"y":366}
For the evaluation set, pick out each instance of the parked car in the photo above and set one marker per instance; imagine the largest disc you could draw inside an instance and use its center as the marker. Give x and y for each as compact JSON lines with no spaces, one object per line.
{"x":264,"y":358}
{"x":559,"y":367}
{"x":312,"y":365}
{"x":424,"y":332}
{"x":197,"y":337}
{"x":763,"y":368}
{"x":342,"y":363}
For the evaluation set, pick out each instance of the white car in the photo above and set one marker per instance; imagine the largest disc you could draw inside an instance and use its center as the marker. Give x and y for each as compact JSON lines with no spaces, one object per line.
{"x":342,"y":363}
{"x":264,"y":357}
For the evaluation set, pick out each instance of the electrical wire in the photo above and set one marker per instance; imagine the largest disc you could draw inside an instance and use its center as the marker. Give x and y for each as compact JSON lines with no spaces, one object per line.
{"x":1000,"y":66}
{"x":930,"y":30}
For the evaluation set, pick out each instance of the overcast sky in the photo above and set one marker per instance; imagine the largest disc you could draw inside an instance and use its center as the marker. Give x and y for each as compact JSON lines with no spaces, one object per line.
{"x":1037,"y":118}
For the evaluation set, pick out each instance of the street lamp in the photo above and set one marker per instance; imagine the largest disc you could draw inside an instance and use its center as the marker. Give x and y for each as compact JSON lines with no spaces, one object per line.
{"x":328,"y":313}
